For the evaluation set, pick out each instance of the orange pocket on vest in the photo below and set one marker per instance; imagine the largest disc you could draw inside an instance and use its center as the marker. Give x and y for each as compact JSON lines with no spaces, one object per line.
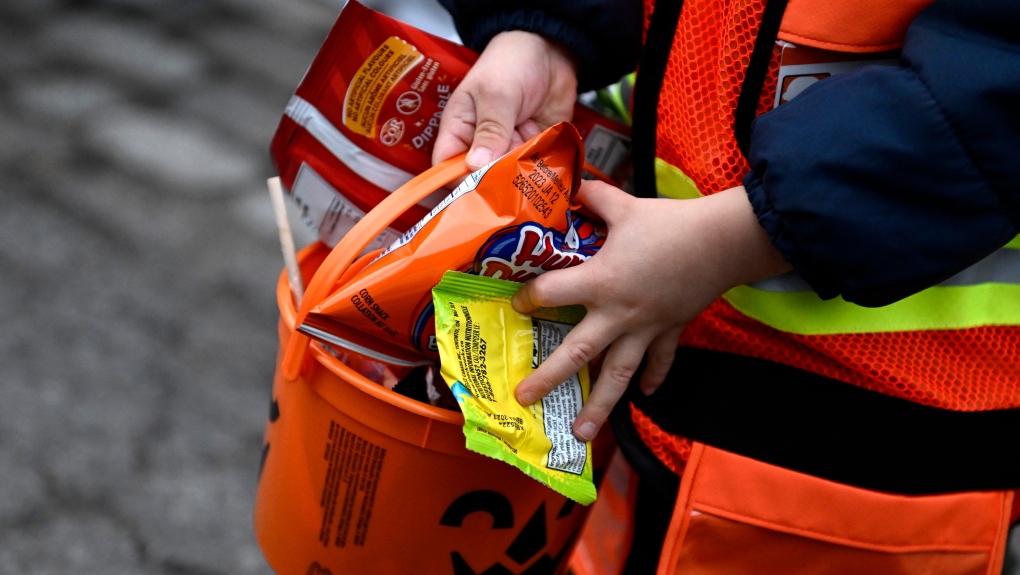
{"x":737,"y":515}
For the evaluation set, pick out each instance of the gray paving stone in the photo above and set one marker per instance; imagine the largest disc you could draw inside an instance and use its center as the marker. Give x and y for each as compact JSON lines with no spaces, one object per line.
{"x":16,"y":51}
{"x":196,"y":519}
{"x":140,"y":214}
{"x":184,"y":153}
{"x":22,"y":489}
{"x":139,"y":258}
{"x":159,"y":8}
{"x":82,"y":542}
{"x":280,"y":61}
{"x":193,"y":506}
{"x":15,"y":292}
{"x":306,"y":22}
{"x":124,"y":47}
{"x":63,"y":97}
{"x":38,"y":236}
{"x":104,"y":433}
{"x":31,"y":148}
{"x":13,"y":132}
{"x":196,"y":437}
{"x":244,"y":111}
{"x":248,"y":272}
{"x":84,"y":437}
{"x":30,"y":7}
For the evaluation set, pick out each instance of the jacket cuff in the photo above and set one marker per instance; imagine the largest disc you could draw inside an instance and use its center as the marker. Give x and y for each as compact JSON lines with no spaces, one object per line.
{"x":770,"y":219}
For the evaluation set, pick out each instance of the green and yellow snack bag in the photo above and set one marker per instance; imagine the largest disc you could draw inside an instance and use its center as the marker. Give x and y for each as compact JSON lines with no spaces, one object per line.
{"x":486,"y":348}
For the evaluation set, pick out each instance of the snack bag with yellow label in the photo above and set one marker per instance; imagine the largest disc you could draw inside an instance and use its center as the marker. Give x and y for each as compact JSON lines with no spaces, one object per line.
{"x":486,"y":348}
{"x":364,"y":119}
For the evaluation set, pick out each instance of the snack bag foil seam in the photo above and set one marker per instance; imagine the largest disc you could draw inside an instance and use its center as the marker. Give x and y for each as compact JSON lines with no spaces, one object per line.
{"x":486,"y":349}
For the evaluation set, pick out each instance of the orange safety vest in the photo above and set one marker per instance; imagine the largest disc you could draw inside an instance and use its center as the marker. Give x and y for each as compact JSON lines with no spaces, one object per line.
{"x":964,"y":362}
{"x":720,"y":63}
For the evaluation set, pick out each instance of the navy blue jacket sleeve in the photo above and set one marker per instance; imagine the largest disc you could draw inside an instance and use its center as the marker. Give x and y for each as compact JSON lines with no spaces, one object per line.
{"x":604,"y":35}
{"x":878,"y":183}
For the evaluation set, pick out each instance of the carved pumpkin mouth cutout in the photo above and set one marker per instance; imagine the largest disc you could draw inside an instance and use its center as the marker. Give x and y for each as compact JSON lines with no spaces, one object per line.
{"x":529,"y":543}
{"x":316,"y":569}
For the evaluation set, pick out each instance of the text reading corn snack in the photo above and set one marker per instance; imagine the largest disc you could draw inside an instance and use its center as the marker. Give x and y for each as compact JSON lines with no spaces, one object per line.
{"x":486,"y":349}
{"x":511,"y":220}
{"x":364,"y":120}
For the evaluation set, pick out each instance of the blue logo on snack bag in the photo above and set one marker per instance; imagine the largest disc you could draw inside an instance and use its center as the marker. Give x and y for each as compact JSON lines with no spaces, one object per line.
{"x":520,"y":253}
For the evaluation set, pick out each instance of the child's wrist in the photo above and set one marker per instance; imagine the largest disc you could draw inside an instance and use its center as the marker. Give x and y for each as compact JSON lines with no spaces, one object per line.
{"x":744,"y":245}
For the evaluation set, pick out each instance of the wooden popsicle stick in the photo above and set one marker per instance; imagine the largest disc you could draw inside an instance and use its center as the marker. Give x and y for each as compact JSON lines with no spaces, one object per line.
{"x":286,"y":240}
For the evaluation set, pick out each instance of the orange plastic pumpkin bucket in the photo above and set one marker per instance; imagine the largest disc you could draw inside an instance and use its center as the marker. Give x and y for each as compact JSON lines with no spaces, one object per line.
{"x":357,"y":479}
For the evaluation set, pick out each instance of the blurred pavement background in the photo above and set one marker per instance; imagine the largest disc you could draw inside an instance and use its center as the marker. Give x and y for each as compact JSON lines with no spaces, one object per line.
{"x":138,"y":262}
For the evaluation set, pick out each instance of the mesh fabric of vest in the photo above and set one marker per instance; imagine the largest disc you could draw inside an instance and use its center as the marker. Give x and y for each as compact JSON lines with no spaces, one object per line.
{"x":966,"y":369}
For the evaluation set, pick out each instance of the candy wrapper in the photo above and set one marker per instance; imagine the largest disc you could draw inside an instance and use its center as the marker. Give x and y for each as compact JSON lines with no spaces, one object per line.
{"x":511,"y":220}
{"x":364,"y":120}
{"x":487,"y":348}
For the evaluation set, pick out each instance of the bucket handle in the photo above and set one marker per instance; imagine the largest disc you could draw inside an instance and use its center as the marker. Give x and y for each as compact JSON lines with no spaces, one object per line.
{"x":355,"y":241}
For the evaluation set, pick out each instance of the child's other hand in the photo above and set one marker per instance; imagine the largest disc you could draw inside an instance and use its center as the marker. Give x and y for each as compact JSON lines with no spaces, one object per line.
{"x":521,"y":85}
{"x":663,"y":263}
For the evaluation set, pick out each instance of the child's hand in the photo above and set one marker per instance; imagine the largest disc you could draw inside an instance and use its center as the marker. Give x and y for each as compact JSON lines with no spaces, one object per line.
{"x":521,"y":84}
{"x":663,"y":263}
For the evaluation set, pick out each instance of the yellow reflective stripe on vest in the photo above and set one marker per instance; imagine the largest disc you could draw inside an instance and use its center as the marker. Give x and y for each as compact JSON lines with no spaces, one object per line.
{"x":934,"y":308}
{"x":987,"y":293}
{"x":672,"y":183}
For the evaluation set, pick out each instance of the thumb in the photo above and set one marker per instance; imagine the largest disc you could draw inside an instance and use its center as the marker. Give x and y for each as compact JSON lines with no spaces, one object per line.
{"x":496,"y":117}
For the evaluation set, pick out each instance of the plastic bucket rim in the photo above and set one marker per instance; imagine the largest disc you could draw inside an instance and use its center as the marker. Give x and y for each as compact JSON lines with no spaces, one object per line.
{"x":288,"y":314}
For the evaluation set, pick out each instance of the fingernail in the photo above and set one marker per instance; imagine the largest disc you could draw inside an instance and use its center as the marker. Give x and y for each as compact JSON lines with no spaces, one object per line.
{"x":479,"y":157}
{"x":586,"y":430}
{"x":518,"y":303}
{"x":527,"y":398}
{"x":521,"y":301}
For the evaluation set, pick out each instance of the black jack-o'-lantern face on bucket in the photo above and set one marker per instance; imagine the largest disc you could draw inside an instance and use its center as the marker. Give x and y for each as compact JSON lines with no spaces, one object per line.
{"x":529,"y":543}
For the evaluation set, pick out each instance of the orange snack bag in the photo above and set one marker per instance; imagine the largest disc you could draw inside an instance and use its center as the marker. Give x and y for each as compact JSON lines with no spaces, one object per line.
{"x":511,"y":220}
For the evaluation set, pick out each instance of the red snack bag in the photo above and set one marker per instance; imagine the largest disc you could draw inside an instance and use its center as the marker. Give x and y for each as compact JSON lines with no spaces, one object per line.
{"x":511,"y":220}
{"x":364,"y":119}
